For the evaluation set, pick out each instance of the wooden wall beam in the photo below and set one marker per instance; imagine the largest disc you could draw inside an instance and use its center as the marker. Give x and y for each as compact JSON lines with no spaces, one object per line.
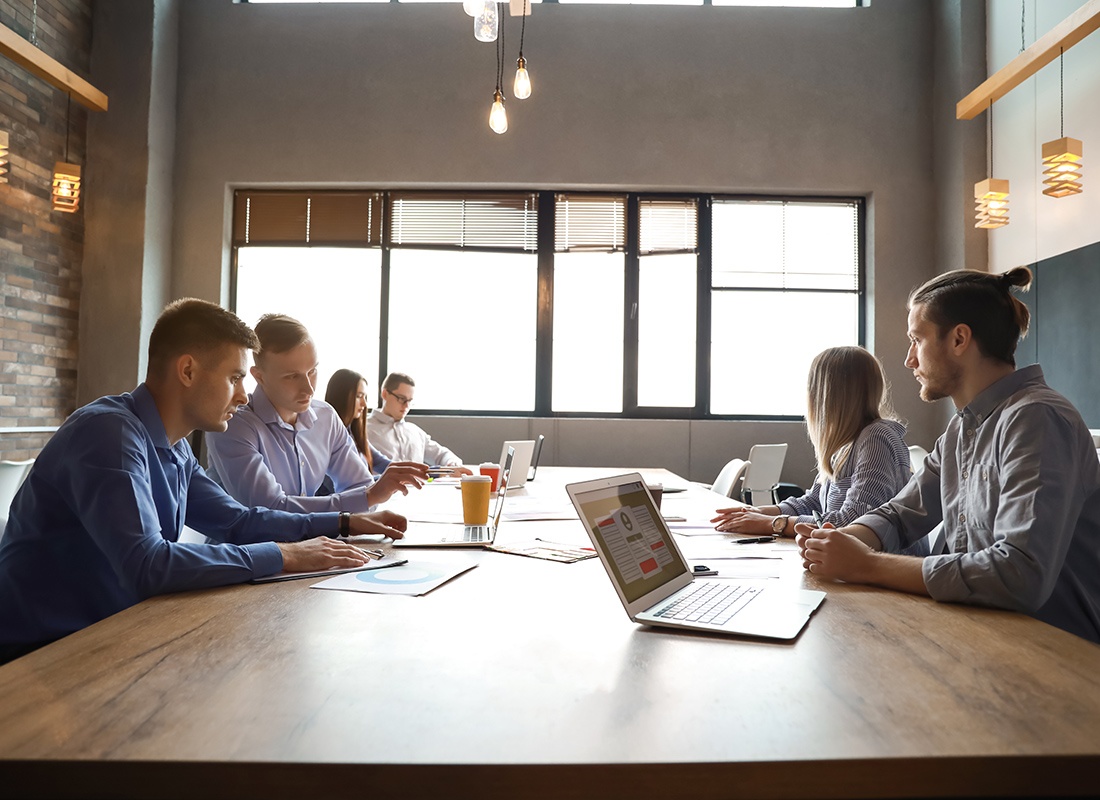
{"x":1061,"y":37}
{"x":49,"y":69}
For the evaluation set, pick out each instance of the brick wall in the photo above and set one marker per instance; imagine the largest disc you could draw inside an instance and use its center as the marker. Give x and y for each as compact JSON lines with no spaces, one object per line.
{"x":40,"y":250}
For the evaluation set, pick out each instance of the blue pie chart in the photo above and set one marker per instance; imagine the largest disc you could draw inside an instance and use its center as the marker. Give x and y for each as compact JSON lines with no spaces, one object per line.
{"x":395,"y":576}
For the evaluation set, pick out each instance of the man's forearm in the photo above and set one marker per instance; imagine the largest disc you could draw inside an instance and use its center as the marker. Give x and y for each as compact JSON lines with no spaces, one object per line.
{"x":891,"y":571}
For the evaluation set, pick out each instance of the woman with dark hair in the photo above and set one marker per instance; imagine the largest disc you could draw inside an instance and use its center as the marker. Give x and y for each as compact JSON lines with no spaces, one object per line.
{"x":347,"y":393}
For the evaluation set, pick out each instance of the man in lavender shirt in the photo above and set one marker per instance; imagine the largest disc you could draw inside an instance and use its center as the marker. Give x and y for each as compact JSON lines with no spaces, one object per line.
{"x":278,"y":448}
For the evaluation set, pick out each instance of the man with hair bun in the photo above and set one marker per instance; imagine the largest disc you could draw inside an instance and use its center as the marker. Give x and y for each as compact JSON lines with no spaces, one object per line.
{"x":1014,"y":479}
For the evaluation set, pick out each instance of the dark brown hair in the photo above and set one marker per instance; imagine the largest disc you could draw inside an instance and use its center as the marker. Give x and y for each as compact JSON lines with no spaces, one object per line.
{"x":982,"y":301}
{"x":340,"y":394}
{"x":196,"y":327}
{"x":395,"y":379}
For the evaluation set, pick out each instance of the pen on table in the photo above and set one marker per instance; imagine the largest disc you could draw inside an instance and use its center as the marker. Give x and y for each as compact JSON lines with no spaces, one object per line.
{"x":379,"y":554}
{"x":755,"y":540}
{"x":817,"y":520}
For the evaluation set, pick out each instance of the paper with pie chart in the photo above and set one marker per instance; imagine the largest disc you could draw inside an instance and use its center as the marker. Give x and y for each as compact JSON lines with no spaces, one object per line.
{"x":634,"y":542}
{"x":411,"y":579}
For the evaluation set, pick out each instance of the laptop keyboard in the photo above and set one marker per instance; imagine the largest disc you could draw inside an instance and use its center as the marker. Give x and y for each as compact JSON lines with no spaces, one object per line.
{"x":475,"y":533}
{"x":710,"y":602}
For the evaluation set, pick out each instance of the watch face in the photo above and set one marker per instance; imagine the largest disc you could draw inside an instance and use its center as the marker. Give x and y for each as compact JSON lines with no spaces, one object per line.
{"x":778,"y":524}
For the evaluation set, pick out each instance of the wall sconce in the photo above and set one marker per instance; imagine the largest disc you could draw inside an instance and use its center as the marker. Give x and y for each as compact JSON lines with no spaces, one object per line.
{"x":1062,"y":167}
{"x":66,"y":187}
{"x":991,"y":203}
{"x":3,"y":156}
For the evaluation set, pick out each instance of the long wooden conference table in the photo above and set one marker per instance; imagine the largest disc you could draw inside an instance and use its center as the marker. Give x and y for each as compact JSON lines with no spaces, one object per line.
{"x":523,"y":678}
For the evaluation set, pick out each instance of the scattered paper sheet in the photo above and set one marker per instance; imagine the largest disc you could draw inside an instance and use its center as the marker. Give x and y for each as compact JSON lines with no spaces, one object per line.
{"x":388,"y":561}
{"x":417,"y":578}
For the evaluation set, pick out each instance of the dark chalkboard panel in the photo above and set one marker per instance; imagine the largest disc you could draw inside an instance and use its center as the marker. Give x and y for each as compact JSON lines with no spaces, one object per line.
{"x":1065,"y":327}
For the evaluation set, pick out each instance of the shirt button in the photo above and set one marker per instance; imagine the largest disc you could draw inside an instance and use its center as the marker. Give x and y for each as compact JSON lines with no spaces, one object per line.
{"x":962,"y":517}
{"x":966,"y":474}
{"x":970,"y":432}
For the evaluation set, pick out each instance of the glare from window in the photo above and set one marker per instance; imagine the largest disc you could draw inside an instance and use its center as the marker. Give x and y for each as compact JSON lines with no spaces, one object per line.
{"x":784,"y":330}
{"x":333,"y":291}
{"x":588,"y":332}
{"x":462,"y":325}
{"x":666,"y":330}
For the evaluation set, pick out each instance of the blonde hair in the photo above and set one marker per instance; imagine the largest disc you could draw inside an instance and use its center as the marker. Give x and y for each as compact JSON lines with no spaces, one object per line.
{"x":847,"y":391}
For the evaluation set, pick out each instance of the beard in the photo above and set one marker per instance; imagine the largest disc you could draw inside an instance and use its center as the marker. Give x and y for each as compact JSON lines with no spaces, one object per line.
{"x":940,"y":384}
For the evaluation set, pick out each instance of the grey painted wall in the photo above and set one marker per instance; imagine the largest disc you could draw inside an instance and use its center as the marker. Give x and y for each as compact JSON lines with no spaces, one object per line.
{"x":629,"y":97}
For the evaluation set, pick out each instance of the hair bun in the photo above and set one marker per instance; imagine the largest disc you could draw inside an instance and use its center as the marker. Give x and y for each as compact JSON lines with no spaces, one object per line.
{"x":1018,"y":276}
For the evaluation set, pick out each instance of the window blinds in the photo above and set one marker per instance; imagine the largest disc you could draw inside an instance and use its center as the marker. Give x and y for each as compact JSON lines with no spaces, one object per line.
{"x":507,"y":221}
{"x":589,"y":222}
{"x":316,"y":218}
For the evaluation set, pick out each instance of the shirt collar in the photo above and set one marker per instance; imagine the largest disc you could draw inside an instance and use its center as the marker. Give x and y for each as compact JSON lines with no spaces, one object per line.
{"x":996,"y":393}
{"x":262,"y":407}
{"x":146,"y":410}
{"x":381,"y":416}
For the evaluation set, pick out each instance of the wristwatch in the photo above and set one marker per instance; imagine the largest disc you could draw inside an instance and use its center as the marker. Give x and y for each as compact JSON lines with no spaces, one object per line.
{"x":779,"y":524}
{"x":345,"y":523}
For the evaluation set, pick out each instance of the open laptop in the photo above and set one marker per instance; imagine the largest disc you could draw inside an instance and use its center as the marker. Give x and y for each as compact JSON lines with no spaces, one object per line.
{"x":656,"y":584}
{"x":521,"y":464}
{"x":538,"y":454}
{"x":428,"y":534}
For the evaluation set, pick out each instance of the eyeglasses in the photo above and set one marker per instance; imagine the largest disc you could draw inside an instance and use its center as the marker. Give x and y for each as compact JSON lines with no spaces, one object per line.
{"x":400,"y":398}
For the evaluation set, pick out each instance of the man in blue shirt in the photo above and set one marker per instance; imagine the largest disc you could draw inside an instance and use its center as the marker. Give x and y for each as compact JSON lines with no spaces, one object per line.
{"x":94,"y":527}
{"x":278,"y":449}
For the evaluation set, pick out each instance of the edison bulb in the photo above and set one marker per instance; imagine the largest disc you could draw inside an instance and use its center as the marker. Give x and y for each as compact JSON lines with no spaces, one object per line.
{"x":472,"y":7}
{"x":498,"y":117}
{"x":522,"y":86}
{"x":485,"y":23}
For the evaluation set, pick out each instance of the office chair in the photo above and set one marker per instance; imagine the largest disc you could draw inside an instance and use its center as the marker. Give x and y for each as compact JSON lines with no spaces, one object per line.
{"x":12,"y":474}
{"x":762,"y":476}
{"x":917,"y":454}
{"x":728,"y":482}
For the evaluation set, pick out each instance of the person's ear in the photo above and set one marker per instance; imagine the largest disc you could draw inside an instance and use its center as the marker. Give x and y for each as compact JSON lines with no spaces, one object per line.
{"x":258,"y":374}
{"x":961,"y":337}
{"x":187,"y":369}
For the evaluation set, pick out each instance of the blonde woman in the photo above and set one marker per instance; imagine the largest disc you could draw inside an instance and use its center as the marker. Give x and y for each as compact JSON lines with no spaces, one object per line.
{"x":862,"y":459}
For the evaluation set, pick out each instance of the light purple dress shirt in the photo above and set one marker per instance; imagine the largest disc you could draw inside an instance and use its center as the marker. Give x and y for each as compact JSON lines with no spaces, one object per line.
{"x":263,"y":461}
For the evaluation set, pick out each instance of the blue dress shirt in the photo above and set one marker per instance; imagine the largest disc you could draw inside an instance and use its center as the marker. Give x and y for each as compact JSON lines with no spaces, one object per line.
{"x":94,"y":527}
{"x":263,"y":461}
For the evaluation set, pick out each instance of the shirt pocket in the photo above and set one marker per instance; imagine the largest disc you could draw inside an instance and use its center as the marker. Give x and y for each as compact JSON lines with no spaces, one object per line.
{"x":982,"y":492}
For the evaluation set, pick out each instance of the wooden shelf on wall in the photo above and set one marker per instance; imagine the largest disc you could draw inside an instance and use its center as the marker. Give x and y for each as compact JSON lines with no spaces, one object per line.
{"x":50,"y":70}
{"x":1063,"y":36}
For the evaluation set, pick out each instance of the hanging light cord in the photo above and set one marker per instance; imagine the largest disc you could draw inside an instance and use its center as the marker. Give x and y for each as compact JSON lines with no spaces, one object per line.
{"x":68,"y":111}
{"x":34,"y":24}
{"x":500,"y":55}
{"x":991,"y":138}
{"x":1023,"y":6}
{"x":1061,"y":95}
{"x":523,"y":25}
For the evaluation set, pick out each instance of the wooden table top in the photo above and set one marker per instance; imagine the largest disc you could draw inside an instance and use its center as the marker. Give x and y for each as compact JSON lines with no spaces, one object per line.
{"x":525,"y":678}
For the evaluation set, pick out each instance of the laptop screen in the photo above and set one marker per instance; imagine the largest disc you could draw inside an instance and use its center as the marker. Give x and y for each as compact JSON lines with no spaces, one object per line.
{"x":630,"y":530}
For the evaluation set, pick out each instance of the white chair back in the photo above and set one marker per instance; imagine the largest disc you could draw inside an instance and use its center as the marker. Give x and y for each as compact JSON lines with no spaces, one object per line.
{"x":917,"y":454}
{"x":728,"y":482}
{"x":764,"y":472}
{"x":12,"y":474}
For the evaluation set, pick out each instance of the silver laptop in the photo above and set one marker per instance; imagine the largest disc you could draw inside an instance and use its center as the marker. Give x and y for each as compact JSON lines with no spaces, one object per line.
{"x":428,"y":534}
{"x":656,"y":584}
{"x":521,"y":464}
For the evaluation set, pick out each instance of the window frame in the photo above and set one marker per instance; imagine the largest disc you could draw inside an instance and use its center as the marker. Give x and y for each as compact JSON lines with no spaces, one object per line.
{"x":544,"y":320}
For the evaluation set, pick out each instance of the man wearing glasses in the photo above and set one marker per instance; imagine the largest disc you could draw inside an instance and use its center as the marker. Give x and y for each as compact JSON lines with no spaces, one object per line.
{"x":397,"y":438}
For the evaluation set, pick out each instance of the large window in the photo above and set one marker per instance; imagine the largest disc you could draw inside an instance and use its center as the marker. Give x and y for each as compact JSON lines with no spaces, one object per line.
{"x":560,"y":303}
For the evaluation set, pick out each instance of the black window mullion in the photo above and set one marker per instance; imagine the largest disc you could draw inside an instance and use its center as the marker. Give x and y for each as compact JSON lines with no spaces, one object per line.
{"x":384,"y":302}
{"x":544,"y":341}
{"x":703,"y":311}
{"x":631,"y":308}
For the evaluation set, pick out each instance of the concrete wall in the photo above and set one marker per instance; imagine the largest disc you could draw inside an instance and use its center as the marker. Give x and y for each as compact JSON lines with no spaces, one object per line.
{"x":1026,"y":117}
{"x":626,"y":97}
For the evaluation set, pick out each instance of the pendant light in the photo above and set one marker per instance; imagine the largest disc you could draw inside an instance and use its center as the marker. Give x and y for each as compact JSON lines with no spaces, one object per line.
{"x":498,"y":117}
{"x":991,"y":195}
{"x":487,"y":22}
{"x":1062,"y":157}
{"x":472,"y":7}
{"x":521,"y":87}
{"x":3,"y":156}
{"x":65,"y":193}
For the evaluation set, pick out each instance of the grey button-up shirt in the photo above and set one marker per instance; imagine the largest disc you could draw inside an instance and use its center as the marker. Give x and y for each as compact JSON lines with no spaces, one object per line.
{"x":1016,"y":481}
